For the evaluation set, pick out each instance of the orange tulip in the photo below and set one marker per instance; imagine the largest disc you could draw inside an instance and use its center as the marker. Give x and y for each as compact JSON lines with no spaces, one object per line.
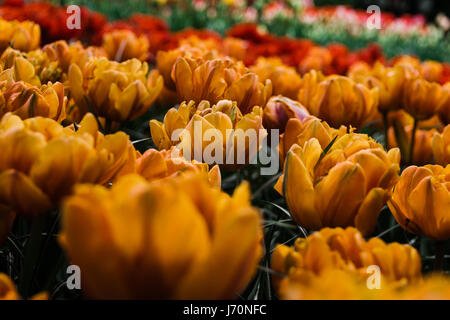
{"x":155,"y":164}
{"x":431,"y":70}
{"x":25,"y":36}
{"x":441,"y":146}
{"x":298,"y":132}
{"x":18,"y":68}
{"x":389,"y":82}
{"x":338,"y":100}
{"x":116,"y":91}
{"x":204,"y":245}
{"x":165,"y":60}
{"x":65,"y":54}
{"x":219,"y":79}
{"x":423,"y":152}
{"x":41,"y":161}
{"x":122,"y":45}
{"x":220,"y":132}
{"x":346,"y":286}
{"x":421,"y":201}
{"x":346,"y":185}
{"x":28,"y":101}
{"x":422,"y":99}
{"x":285,"y":80}
{"x":337,"y":250}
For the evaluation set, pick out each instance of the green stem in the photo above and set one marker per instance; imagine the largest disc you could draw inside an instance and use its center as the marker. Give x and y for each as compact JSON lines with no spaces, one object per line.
{"x":386,"y":130}
{"x":439,"y":257}
{"x":413,"y":141}
{"x":32,"y":253}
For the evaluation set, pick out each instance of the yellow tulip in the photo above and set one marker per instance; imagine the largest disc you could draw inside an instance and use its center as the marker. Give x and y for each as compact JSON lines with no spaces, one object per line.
{"x":194,"y":124}
{"x":285,"y":80}
{"x":345,"y":249}
{"x":422,"y":99}
{"x":421,"y":201}
{"x":23,"y":36}
{"x":204,"y":245}
{"x":155,"y":164}
{"x":338,"y":100}
{"x":116,"y":91}
{"x":8,"y":290}
{"x":441,"y":146}
{"x":280,"y":109}
{"x":347,"y":185}
{"x":27,"y":101}
{"x":122,"y":45}
{"x":218,"y":79}
{"x":41,"y":161}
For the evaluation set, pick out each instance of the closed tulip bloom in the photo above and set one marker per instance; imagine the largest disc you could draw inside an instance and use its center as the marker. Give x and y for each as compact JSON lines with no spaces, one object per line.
{"x":421,"y":201}
{"x":280,"y":109}
{"x":24,"y":36}
{"x":219,"y":79}
{"x":122,"y":45}
{"x":27,"y":101}
{"x":285,"y":80}
{"x":299,"y":132}
{"x":339,"y":101}
{"x":116,"y":91}
{"x":174,"y":247}
{"x":154,"y":164}
{"x":347,"y":185}
{"x":441,"y":146}
{"x":41,"y":161}
{"x":335,"y":250}
{"x":422,"y":99}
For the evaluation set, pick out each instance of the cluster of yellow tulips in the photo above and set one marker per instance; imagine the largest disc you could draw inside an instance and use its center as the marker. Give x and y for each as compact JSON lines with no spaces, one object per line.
{"x":155,"y":224}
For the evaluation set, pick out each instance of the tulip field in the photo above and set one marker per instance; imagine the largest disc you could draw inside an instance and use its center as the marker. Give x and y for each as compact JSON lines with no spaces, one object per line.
{"x":222,"y":150}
